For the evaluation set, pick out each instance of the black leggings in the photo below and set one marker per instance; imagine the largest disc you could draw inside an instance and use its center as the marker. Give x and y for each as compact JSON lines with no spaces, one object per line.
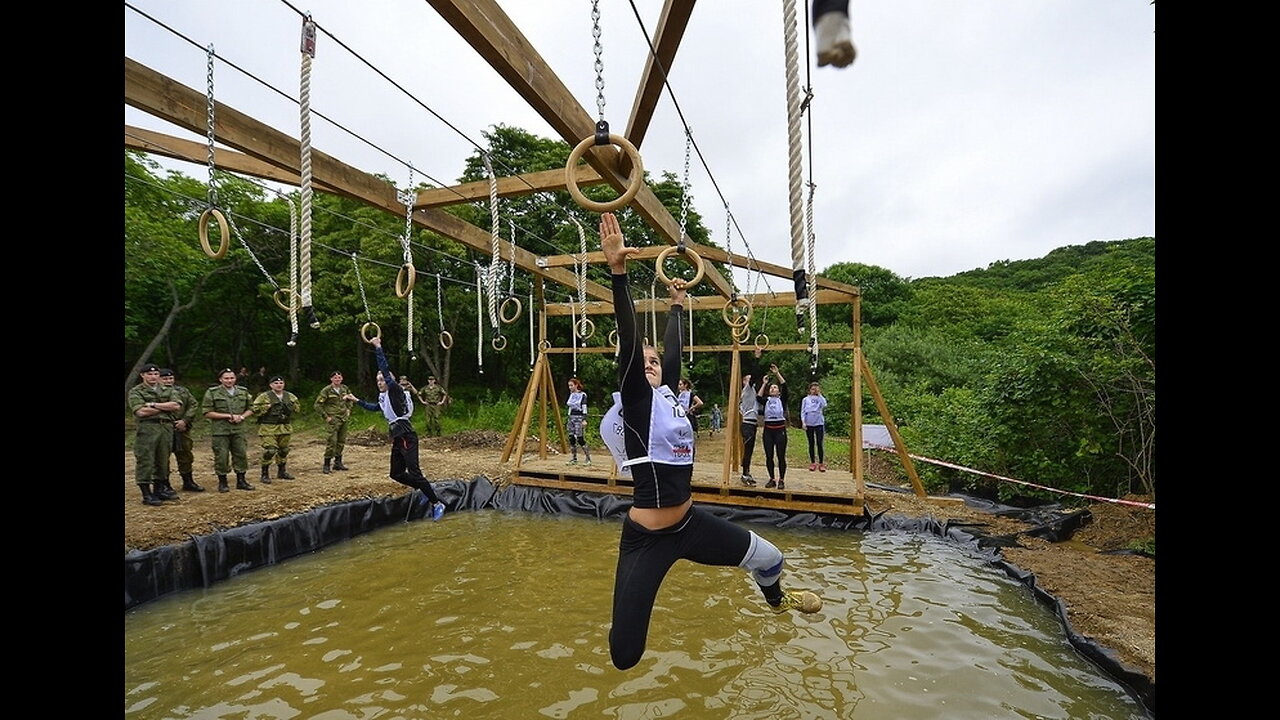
{"x":775,"y":442}
{"x":748,"y":432}
{"x":404,"y":465}
{"x":645,"y":556}
{"x":815,"y":433}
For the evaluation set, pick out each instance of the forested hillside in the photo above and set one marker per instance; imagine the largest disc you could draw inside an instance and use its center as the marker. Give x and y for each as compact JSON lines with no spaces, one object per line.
{"x":1041,"y":370}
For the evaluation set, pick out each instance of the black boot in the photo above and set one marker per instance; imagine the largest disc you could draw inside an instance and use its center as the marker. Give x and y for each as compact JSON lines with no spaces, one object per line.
{"x":266,"y":475}
{"x":189,"y":484}
{"x":222,"y":484}
{"x":282,"y":473}
{"x":242,"y":484}
{"x":337,"y":463}
{"x":147,"y":497}
{"x":163,"y":490}
{"x":326,"y":469}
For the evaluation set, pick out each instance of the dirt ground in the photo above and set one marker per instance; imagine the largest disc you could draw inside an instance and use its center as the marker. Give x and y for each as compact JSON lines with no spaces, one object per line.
{"x":1110,"y":598}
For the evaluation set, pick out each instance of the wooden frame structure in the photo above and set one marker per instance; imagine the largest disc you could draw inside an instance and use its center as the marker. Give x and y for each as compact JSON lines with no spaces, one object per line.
{"x":255,"y":149}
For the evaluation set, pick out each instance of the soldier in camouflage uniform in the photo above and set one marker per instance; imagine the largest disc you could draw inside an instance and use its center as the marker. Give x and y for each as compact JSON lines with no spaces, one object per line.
{"x":227,"y":405}
{"x":154,"y":410}
{"x":433,"y":399}
{"x":182,"y":443}
{"x":275,"y":409}
{"x":334,"y":405}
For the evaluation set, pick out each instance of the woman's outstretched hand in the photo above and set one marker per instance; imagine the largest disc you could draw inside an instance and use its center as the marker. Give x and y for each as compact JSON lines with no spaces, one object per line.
{"x":614,"y":247}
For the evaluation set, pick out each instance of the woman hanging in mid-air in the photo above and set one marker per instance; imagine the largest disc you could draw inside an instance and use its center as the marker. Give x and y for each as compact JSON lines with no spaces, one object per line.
{"x":662,"y":525}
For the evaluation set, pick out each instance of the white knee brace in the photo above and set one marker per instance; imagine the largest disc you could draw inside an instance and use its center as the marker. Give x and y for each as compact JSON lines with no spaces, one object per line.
{"x":764,"y":560}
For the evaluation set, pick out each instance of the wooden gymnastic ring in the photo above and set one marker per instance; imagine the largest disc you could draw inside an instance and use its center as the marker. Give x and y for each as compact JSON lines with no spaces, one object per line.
{"x":696,"y":260}
{"x":403,"y":286}
{"x":544,"y":345}
{"x":223,"y":229}
{"x":446,"y":339}
{"x":636,"y":179}
{"x":613,"y":338}
{"x":762,"y":344}
{"x":502,"y":311}
{"x":499,"y":343}
{"x":739,"y":319}
{"x":288,"y":293}
{"x":740,"y":334}
{"x":585,"y":328}
{"x":364,"y":331}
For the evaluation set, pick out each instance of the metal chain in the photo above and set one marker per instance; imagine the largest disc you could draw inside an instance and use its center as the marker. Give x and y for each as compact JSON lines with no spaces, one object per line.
{"x":360,"y":281}
{"x":728,"y":245}
{"x":599,"y":51}
{"x":409,"y":196}
{"x":439,"y":302}
{"x":236,"y":229}
{"x":684,"y":186}
{"x":213,"y":190}
{"x":813,"y":283}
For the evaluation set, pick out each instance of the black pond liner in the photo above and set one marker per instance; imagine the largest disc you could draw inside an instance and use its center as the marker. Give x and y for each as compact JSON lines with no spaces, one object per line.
{"x":207,"y":559}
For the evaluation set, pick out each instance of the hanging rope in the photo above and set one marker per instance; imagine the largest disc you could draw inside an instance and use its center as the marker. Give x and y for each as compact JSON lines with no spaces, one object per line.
{"x":794,"y":161}
{"x":212,"y":211}
{"x":479,"y":320}
{"x":495,"y":258}
{"x":583,"y":327}
{"x":813,"y":284}
{"x":573,"y":337}
{"x":602,"y":136}
{"x":304,"y":113}
{"x":293,"y":271}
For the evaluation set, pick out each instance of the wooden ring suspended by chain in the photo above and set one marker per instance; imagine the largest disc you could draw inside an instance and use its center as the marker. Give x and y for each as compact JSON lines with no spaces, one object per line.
{"x":405,"y":279}
{"x":364,"y":332}
{"x":694,"y":258}
{"x":499,"y":342}
{"x":223,"y":230}
{"x":515,"y":314}
{"x":736,"y":319}
{"x":613,"y":338}
{"x":585,"y":328}
{"x":635,"y":181}
{"x":446,"y":339}
{"x":292,"y":295}
{"x":762,"y":344}
{"x":740,"y":334}
{"x":544,"y":345}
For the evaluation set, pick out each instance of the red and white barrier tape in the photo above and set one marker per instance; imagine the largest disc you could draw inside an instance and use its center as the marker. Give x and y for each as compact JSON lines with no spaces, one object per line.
{"x":1117,"y":501}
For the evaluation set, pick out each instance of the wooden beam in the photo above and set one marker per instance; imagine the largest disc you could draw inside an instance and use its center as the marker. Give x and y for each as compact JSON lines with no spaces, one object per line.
{"x":496,"y":38}
{"x":171,"y":101}
{"x":700,"y":303}
{"x":513,"y":186}
{"x":157,"y":143}
{"x":671,"y":26}
{"x":780,"y":347}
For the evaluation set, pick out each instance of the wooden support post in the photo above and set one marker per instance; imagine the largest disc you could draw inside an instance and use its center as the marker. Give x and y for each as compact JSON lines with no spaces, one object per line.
{"x":893,"y":430}
{"x":855,"y":404}
{"x":733,"y":420}
{"x":524,"y":414}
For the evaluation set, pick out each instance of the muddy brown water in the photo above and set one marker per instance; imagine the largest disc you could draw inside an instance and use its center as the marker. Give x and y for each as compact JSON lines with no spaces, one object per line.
{"x":495,"y":614}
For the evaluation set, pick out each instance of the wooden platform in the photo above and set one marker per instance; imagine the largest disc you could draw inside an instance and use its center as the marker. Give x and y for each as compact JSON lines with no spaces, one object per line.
{"x":829,"y":492}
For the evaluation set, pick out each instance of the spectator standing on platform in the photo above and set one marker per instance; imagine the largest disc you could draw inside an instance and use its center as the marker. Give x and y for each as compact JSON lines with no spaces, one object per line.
{"x":815,"y":425}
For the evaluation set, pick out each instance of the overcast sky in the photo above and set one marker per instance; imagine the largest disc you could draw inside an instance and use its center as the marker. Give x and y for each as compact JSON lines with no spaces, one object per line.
{"x":965,"y":133}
